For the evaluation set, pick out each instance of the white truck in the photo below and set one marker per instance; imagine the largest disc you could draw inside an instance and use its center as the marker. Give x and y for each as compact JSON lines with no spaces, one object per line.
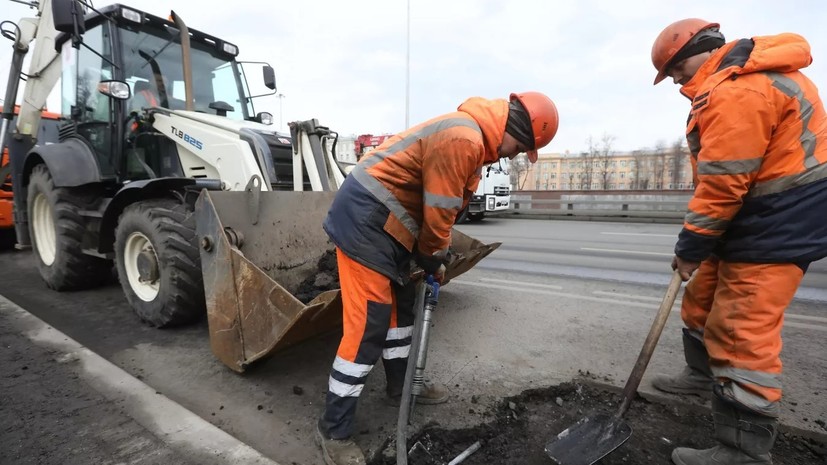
{"x":493,"y":194}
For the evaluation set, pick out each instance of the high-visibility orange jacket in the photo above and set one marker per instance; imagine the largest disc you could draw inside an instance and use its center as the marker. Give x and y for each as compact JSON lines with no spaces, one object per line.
{"x":757,"y":132}
{"x":403,"y":196}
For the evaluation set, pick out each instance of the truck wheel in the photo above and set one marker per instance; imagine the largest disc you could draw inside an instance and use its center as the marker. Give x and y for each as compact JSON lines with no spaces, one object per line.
{"x":57,"y":228}
{"x":159,"y":262}
{"x":476,"y":217}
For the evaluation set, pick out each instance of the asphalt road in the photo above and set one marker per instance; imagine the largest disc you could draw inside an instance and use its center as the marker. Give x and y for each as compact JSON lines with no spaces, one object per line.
{"x":558,"y":300}
{"x":625,"y":252}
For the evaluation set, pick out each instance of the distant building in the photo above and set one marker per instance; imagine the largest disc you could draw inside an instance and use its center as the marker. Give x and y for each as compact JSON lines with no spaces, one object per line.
{"x":345,"y":149}
{"x":638,"y":170}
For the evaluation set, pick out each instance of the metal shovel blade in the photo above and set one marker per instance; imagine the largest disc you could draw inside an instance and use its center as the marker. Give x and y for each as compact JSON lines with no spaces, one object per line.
{"x":588,"y":440}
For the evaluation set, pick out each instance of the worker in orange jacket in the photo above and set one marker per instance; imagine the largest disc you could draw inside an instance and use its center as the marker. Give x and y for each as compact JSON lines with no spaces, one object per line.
{"x":398,"y":204}
{"x":757,"y":133}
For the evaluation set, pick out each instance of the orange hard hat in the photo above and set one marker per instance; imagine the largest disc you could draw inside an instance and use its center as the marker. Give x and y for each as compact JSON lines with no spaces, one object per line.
{"x":544,"y":120}
{"x":674,"y":38}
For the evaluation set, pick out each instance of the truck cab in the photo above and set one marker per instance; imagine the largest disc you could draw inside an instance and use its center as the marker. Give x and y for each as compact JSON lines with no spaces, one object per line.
{"x":493,"y":194}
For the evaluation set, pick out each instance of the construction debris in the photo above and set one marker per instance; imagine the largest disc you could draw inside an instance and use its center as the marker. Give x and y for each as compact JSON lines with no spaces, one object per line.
{"x":327,"y":279}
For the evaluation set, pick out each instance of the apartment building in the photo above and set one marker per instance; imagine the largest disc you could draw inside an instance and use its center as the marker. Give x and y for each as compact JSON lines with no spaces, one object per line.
{"x":637,"y":170}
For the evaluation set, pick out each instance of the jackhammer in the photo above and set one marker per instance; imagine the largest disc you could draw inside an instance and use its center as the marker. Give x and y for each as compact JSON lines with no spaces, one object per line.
{"x":427,"y":297}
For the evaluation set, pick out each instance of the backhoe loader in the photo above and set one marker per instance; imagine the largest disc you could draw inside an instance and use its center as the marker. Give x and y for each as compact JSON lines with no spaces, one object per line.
{"x":196,"y":200}
{"x":47,"y":132}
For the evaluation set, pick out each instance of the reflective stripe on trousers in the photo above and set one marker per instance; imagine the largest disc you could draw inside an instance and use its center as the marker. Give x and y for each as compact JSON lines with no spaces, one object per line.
{"x":373,"y":326}
{"x":740,"y":307}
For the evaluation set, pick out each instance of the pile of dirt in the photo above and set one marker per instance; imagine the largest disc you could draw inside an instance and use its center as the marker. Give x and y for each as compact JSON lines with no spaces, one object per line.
{"x":519,"y":427}
{"x":326,"y":279}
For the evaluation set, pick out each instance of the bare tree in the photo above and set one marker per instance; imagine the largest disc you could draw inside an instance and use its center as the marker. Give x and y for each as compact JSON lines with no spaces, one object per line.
{"x":659,"y":160}
{"x":519,"y":168}
{"x":638,"y":158}
{"x":587,"y":174}
{"x":677,"y":162}
{"x":85,"y":94}
{"x":571,"y":175}
{"x":603,"y":157}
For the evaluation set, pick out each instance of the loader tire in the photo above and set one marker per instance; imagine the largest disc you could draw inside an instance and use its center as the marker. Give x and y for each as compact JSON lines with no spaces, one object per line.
{"x":159,"y":236}
{"x":56,"y":228}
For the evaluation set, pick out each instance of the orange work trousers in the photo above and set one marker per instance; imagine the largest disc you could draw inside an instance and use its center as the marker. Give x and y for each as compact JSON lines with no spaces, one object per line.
{"x":739,"y":309}
{"x":378,"y":322}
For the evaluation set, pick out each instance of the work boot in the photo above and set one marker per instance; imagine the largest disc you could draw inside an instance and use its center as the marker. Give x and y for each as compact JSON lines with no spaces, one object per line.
{"x":746,"y":439}
{"x":696,"y":378}
{"x":432,"y":394}
{"x":339,"y":451}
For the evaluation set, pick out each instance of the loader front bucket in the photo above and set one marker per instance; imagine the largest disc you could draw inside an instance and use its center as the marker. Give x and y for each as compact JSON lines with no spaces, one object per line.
{"x":270,"y":274}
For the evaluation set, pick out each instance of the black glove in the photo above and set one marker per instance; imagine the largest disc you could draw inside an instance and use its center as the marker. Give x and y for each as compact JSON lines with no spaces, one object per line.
{"x":429,"y":263}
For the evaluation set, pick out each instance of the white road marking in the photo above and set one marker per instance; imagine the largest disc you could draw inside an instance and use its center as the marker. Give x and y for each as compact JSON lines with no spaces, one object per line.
{"x":805,"y":317}
{"x":169,"y":421}
{"x":794,"y":316}
{"x":522,"y":283}
{"x":554,"y":293}
{"x":629,"y":296}
{"x":639,"y":234}
{"x":792,"y":324}
{"x":640,"y":252}
{"x":618,"y":300}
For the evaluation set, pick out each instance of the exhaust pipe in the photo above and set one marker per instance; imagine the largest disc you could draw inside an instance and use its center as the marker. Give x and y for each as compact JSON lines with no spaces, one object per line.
{"x":186,"y":60}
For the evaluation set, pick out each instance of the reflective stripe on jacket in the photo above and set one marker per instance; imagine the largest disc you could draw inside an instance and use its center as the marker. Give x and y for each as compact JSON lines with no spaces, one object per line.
{"x":404,"y":196}
{"x":757,"y":133}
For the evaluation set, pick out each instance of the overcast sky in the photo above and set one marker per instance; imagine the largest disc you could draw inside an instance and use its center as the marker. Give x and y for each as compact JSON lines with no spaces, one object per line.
{"x":344,"y":62}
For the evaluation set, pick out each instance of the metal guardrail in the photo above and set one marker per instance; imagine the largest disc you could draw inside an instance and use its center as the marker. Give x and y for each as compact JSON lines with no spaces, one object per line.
{"x":619,"y":208}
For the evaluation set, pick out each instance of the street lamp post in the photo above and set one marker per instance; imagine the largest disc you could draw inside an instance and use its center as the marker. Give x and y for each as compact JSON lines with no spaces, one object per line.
{"x":281,"y":100}
{"x":408,"y":71}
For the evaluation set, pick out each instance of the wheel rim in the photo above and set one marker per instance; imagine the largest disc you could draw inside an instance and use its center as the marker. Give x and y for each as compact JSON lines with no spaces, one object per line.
{"x":136,"y":244}
{"x":43,"y":224}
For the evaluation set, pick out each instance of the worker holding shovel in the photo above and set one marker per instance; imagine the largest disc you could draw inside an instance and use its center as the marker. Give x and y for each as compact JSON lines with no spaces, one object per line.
{"x":757,"y":133}
{"x":398,"y":205}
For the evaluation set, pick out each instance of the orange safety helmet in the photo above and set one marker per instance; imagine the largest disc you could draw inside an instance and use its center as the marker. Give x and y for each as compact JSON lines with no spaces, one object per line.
{"x":544,"y":119}
{"x":672,"y":39}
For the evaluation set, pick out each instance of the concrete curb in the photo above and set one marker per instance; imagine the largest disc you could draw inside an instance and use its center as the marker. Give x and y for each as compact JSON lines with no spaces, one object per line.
{"x":173,"y":424}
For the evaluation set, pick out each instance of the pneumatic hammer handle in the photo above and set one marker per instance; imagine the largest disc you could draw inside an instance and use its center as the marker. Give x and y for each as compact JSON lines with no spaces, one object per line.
{"x":431,"y":300}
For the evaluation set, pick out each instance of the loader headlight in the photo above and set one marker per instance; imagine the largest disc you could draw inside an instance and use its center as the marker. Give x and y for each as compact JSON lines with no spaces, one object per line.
{"x":264,"y":118}
{"x":229,"y":49}
{"x":131,"y":15}
{"x":115,"y":89}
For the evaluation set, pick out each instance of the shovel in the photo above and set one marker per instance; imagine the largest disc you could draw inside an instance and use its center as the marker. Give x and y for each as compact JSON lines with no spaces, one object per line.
{"x":596,"y":436}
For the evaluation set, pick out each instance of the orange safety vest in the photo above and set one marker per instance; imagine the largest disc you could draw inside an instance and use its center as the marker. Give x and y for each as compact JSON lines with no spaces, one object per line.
{"x":403,"y":197}
{"x":757,"y":134}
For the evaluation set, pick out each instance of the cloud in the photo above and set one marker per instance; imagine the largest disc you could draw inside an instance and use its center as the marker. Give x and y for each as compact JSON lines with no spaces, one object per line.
{"x":345,"y":63}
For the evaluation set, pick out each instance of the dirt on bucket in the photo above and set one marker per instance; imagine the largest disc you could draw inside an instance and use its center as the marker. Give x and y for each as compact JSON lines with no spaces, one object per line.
{"x":326,"y":279}
{"x":520,"y":426}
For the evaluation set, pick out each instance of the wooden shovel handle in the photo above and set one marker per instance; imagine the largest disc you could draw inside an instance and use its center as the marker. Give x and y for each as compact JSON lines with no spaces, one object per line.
{"x":651,"y":342}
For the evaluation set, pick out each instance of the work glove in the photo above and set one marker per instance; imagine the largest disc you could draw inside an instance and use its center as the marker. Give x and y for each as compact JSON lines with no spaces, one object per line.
{"x":432,"y":264}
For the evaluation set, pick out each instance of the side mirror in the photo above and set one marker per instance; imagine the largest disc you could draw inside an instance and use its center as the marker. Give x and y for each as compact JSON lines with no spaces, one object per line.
{"x":269,"y":77}
{"x":118,"y":90}
{"x":67,"y":14}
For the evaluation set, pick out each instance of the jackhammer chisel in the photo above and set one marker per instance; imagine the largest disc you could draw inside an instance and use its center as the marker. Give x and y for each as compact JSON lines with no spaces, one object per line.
{"x":427,"y":297}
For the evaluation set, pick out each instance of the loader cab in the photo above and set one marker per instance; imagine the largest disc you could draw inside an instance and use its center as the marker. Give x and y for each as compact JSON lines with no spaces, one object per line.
{"x":142,"y":54}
